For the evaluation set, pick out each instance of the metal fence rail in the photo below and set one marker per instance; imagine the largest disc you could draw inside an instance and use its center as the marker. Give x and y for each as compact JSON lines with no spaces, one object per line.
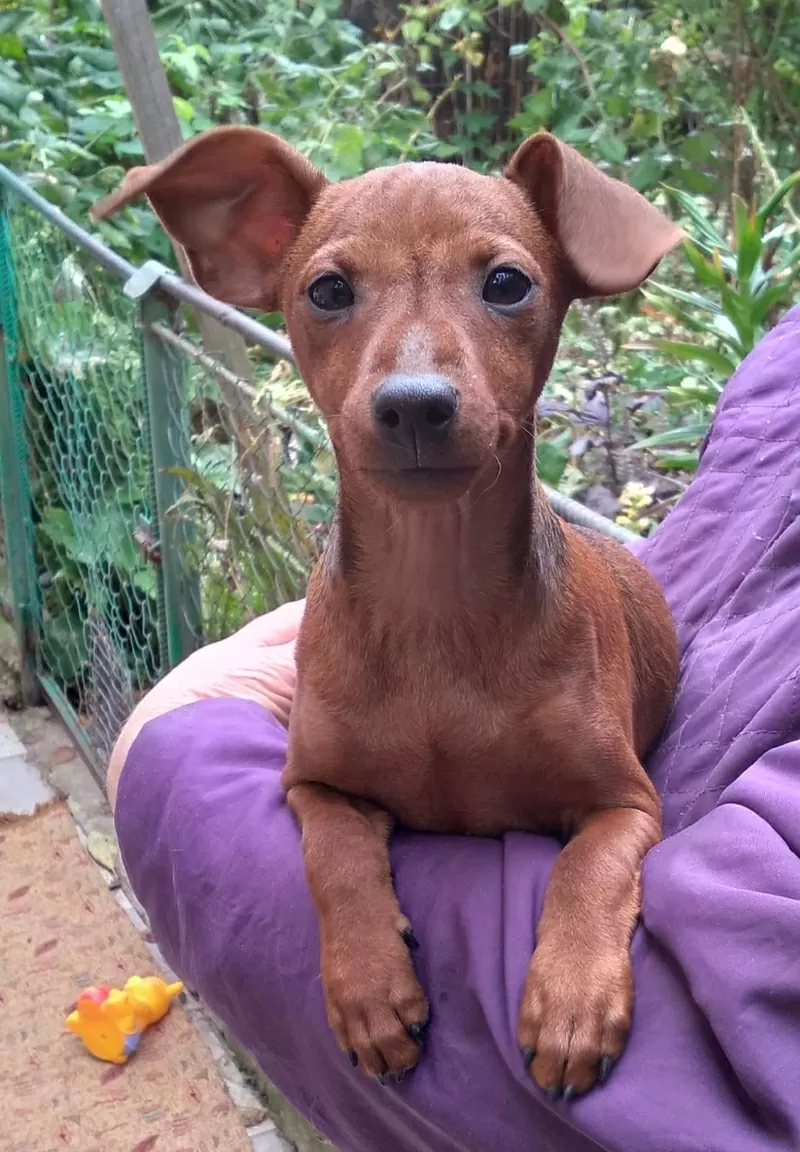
{"x":151,"y":500}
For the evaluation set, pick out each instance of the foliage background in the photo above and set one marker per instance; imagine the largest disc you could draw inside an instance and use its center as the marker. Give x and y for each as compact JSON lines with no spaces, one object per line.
{"x":697,"y":105}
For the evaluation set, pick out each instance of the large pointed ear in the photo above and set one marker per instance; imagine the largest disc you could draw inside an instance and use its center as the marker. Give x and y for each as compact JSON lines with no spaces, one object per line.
{"x":235,"y":200}
{"x":611,"y":237}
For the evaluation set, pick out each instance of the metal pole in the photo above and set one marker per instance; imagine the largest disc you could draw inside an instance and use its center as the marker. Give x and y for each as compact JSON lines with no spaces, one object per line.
{"x":575,"y":513}
{"x":14,"y":488}
{"x":190,"y":294}
{"x":180,"y":629}
{"x":104,"y":255}
{"x":147,"y":87}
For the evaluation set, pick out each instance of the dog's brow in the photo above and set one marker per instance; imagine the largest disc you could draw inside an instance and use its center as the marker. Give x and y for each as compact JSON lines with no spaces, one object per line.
{"x":334,"y":254}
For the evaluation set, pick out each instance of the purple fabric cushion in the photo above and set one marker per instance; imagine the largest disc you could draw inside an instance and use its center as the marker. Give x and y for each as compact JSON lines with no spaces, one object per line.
{"x":714,"y":1056}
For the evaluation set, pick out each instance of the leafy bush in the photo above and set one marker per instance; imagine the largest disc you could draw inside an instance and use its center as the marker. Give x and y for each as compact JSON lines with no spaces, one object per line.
{"x":296,"y":69}
{"x":740,"y":288}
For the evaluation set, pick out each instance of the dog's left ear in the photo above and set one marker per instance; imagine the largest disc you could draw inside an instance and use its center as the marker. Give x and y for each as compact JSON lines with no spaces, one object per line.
{"x":610,"y":236}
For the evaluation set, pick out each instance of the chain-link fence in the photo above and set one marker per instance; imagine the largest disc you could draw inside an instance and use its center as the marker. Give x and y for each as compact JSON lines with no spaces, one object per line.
{"x":5,"y":589}
{"x":151,"y":500}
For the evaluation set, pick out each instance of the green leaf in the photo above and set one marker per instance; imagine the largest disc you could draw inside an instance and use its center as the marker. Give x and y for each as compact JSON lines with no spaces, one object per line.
{"x":699,"y":353}
{"x":538,"y":108}
{"x":670,"y":460}
{"x":65,"y":646}
{"x":413,"y":31}
{"x":693,"y":299}
{"x":11,"y":47}
{"x":705,"y":270}
{"x":698,"y":147}
{"x":748,"y":241}
{"x":551,"y":461}
{"x":104,"y":59}
{"x":706,"y":235}
{"x":557,"y":12}
{"x":56,"y":524}
{"x":724,"y":328}
{"x":646,"y":172}
{"x":611,"y":148}
{"x":790,"y":261}
{"x":145,"y":581}
{"x":735,"y":321}
{"x":12,"y":94}
{"x":778,"y":196}
{"x":451,"y":18}
{"x":689,"y":434}
{"x":702,"y":389}
{"x":12,"y":18}
{"x":697,"y":181}
{"x":183,"y":109}
{"x":348,"y":150}
{"x":772,"y":297}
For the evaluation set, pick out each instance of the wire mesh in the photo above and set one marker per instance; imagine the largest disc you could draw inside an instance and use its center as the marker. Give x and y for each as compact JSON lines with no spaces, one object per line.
{"x":102,"y":422}
{"x":73,"y":360}
{"x":258,"y":486}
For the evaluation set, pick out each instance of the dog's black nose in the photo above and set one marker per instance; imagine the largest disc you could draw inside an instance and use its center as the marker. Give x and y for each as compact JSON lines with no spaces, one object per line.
{"x":415,"y":411}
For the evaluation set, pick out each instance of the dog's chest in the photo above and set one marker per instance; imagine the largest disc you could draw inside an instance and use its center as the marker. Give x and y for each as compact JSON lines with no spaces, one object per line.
{"x":440,"y":751}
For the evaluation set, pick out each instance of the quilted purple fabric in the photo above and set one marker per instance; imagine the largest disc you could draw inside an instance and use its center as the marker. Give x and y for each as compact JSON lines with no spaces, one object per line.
{"x":714,"y":1056}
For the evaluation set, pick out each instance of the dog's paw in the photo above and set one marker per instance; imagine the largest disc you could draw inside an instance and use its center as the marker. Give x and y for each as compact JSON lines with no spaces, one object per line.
{"x":574,"y":1018}
{"x":375,"y":1004}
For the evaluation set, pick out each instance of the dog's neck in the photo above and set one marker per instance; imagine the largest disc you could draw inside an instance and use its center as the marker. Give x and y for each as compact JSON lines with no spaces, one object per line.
{"x":463,"y":563}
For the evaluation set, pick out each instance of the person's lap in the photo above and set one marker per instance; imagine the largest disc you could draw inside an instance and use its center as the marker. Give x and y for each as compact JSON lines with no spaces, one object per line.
{"x":215,"y":858}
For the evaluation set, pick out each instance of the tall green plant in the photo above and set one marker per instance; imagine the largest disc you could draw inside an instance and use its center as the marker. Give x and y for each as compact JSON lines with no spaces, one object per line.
{"x":741,"y":286}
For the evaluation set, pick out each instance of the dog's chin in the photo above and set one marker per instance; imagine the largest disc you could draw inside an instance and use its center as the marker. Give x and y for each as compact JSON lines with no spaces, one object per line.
{"x":423,"y":485}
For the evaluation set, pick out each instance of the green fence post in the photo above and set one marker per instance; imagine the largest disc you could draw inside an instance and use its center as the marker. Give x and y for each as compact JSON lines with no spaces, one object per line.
{"x":169,"y":448}
{"x":14,"y":486}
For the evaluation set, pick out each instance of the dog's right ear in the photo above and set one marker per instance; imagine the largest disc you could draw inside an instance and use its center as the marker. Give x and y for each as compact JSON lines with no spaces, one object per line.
{"x":235,"y":200}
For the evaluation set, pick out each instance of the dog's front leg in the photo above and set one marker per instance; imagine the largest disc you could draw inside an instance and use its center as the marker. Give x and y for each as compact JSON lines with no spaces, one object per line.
{"x":375,"y":1004}
{"x":578,"y":998}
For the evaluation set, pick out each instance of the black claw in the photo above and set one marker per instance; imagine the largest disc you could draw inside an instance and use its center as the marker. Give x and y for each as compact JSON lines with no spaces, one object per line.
{"x":353,"y":1058}
{"x":528,"y":1056}
{"x":418,"y":1032}
{"x":569,"y":1092}
{"x":554,"y":1093}
{"x":410,"y":939}
{"x":605,"y":1068}
{"x":391,"y":1077}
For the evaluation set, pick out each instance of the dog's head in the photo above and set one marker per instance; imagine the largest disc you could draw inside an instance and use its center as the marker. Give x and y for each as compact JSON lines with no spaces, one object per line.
{"x":423,"y":301}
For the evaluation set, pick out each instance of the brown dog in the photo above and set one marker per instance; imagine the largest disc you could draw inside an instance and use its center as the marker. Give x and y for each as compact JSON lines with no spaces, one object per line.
{"x":467,"y":662}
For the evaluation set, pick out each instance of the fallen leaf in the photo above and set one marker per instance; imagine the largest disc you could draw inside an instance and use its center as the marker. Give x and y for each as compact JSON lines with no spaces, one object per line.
{"x":103,"y":850}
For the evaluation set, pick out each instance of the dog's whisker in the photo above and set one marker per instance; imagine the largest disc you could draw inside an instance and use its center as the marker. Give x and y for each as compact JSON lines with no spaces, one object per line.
{"x":494,"y":482}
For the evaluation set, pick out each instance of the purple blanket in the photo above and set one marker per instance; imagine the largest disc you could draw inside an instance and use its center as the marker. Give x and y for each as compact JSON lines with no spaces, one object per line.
{"x":714,"y":1056}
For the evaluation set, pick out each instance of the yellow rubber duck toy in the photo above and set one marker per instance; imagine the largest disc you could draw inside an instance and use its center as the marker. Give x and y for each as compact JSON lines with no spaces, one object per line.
{"x":110,"y":1021}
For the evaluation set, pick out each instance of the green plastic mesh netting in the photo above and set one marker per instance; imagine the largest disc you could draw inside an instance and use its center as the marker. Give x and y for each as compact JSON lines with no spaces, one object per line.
{"x":250,"y":469}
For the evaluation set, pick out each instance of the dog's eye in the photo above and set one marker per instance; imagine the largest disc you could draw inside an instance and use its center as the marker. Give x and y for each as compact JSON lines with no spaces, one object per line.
{"x":506,"y":286}
{"x":331,"y":293}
